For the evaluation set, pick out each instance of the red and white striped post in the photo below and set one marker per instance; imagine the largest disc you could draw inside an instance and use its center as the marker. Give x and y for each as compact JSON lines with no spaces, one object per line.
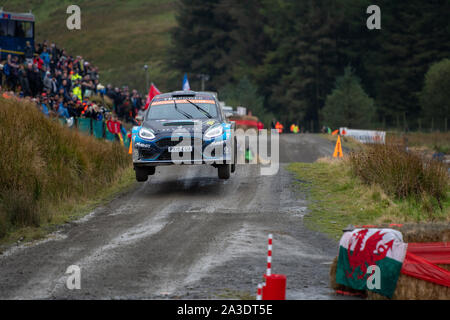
{"x":259,"y":292}
{"x":275,"y":286}
{"x":269,"y":256}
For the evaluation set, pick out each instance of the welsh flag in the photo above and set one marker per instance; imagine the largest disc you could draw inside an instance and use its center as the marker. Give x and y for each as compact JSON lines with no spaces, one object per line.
{"x":362,"y":248}
{"x":151,"y":94}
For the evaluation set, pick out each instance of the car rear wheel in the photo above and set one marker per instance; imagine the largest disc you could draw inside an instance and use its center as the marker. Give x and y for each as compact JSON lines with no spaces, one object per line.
{"x":233,"y":165}
{"x":224,"y":171}
{"x":141,"y":174}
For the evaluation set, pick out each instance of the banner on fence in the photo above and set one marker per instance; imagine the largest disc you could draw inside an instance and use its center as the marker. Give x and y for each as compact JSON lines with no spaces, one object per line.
{"x":364,"y":136}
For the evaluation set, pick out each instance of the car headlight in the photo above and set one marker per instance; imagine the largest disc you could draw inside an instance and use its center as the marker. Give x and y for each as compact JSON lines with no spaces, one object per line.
{"x":214,"y":132}
{"x":146,"y":134}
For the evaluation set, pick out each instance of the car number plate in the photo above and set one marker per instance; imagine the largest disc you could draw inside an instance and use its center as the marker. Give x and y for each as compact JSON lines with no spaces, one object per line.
{"x":180,"y":149}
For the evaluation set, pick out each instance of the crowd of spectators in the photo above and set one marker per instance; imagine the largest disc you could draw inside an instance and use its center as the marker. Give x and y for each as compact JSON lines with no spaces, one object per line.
{"x":64,"y":86}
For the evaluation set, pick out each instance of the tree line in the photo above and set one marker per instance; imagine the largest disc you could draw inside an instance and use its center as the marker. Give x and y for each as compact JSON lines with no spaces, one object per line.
{"x":295,"y":56}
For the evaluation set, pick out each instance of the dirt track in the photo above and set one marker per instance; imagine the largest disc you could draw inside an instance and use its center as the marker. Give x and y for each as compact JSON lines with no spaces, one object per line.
{"x":184,"y":234}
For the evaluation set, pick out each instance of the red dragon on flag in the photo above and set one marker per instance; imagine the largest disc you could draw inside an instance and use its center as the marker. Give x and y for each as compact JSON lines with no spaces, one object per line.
{"x":367,"y":255}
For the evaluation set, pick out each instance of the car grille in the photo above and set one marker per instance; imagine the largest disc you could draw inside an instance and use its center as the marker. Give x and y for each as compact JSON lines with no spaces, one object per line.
{"x":167,"y":142}
{"x":148,"y":153}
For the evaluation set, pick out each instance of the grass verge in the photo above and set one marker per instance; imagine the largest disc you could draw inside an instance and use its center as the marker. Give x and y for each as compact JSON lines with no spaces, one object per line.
{"x":338,"y":198}
{"x":70,"y":211}
{"x":47,"y":170}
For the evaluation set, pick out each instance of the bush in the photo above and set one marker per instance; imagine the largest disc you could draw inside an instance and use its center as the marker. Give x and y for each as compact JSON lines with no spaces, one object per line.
{"x":435,"y":95}
{"x":348,"y":105}
{"x":43,"y":164}
{"x":400,"y":173}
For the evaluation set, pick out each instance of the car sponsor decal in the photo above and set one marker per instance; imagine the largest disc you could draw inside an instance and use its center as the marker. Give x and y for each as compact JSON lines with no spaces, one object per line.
{"x":143,"y":145}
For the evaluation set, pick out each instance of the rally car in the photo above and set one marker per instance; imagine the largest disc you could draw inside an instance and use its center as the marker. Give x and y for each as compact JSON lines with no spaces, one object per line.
{"x":184,"y":128}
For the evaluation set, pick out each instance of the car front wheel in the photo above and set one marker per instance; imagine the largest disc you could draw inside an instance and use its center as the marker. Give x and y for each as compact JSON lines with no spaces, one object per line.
{"x":224,"y":171}
{"x":141,"y":174}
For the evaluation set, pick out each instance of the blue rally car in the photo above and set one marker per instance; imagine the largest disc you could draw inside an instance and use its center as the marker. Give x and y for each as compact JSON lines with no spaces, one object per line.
{"x":184,"y":127}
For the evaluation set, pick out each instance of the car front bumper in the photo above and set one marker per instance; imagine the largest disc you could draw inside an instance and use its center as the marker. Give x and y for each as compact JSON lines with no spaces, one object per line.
{"x":156,"y":153}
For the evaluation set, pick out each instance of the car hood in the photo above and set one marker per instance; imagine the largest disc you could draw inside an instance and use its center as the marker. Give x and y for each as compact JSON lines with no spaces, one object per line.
{"x":168,"y":126}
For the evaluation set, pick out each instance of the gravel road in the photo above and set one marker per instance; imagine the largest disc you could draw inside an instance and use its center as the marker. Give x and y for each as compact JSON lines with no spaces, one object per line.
{"x":184,"y":234}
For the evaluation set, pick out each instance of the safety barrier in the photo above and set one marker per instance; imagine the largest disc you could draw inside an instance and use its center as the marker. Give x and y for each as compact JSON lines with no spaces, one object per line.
{"x":96,"y":128}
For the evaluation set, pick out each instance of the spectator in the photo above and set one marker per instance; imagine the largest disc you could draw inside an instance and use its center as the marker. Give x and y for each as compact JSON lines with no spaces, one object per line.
{"x":61,"y":85}
{"x":44,"y":105}
{"x":29,"y":53}
{"x":63,"y":112}
{"x":23,"y":80}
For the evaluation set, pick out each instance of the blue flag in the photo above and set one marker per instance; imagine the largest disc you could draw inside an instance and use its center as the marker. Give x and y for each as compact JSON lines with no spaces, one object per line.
{"x":186,"y":86}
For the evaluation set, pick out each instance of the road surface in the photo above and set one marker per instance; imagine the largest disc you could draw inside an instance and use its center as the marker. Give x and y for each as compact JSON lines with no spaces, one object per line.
{"x":184,"y":234}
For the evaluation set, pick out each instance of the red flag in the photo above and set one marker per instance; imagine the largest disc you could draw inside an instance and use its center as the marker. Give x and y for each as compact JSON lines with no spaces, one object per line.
{"x":151,"y":94}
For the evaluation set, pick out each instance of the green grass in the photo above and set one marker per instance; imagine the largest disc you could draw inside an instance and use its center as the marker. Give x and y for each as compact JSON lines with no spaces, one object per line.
{"x":117,"y":36}
{"x":338,"y":198}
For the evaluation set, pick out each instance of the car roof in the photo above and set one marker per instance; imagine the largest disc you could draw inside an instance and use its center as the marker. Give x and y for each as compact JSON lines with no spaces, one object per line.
{"x":194,"y":94}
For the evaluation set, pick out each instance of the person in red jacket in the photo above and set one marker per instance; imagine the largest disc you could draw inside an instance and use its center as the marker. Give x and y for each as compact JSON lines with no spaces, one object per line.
{"x":38,"y":61}
{"x":260,"y":125}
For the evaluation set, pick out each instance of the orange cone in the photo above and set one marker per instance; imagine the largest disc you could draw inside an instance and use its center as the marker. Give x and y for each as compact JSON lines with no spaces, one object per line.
{"x":130,"y":151}
{"x":338,"y":149}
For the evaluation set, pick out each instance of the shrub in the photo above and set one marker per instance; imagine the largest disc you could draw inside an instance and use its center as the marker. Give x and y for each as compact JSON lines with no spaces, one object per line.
{"x":435,"y":95}
{"x":348,"y":105}
{"x":400,"y":173}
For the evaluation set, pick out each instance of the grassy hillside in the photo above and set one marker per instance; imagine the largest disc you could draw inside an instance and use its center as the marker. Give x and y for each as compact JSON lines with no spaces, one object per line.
{"x":46,"y":169}
{"x":119,"y":37}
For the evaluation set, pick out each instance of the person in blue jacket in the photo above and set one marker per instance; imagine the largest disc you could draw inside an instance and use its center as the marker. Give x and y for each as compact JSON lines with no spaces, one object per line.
{"x":44,"y":107}
{"x":62,"y":110}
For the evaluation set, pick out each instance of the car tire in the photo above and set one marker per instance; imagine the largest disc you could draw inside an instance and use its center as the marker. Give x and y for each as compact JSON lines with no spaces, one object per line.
{"x":151,"y":171}
{"x":224,"y":171}
{"x":141,"y":174}
{"x":233,"y":165}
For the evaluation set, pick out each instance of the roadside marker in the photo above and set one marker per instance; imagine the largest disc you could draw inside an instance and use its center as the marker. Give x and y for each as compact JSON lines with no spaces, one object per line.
{"x":338,"y":148}
{"x":274,"y":287}
{"x":130,"y":151}
{"x":269,"y":256}
{"x":259,"y":292}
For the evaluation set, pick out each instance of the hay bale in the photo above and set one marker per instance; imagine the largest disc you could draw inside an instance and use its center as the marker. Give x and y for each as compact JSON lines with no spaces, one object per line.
{"x":410,"y":288}
{"x":335,"y":286}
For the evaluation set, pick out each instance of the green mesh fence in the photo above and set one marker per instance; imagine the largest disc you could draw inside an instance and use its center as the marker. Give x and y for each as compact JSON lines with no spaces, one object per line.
{"x":109,"y":136}
{"x":84,"y":125}
{"x":126,"y":142}
{"x":97,"y":129}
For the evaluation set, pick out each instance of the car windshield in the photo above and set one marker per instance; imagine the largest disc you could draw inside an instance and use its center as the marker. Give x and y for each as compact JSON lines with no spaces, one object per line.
{"x":182,"y":109}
